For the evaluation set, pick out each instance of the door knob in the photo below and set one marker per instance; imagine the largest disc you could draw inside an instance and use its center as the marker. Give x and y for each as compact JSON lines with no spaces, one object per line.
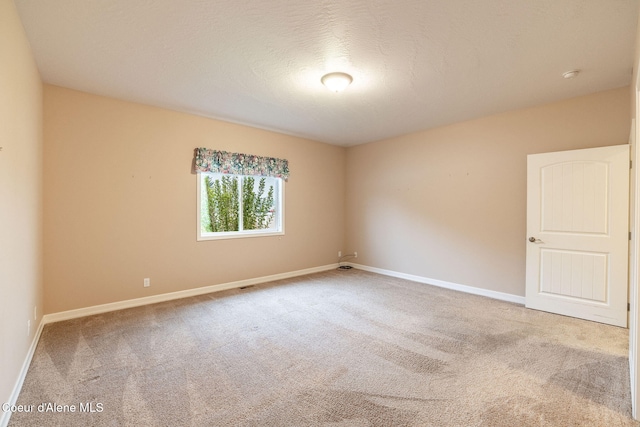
{"x":534,"y":240}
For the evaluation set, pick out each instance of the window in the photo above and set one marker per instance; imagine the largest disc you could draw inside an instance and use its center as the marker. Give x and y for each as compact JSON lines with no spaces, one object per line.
{"x":233,"y":206}
{"x":239,"y":195}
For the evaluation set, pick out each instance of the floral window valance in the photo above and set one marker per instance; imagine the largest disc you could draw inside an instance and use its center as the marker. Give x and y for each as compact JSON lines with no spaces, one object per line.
{"x":240,"y":164}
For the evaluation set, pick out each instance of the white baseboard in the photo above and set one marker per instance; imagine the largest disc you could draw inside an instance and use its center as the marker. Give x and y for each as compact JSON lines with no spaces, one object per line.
{"x":5,"y":416}
{"x":120,"y":305}
{"x":442,"y":284}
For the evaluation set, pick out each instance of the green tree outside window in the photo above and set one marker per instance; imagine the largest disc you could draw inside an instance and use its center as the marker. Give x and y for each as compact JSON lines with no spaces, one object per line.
{"x":223,"y":204}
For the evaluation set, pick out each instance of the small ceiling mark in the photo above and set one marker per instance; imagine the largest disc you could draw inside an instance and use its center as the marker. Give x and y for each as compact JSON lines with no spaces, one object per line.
{"x":570,"y":74}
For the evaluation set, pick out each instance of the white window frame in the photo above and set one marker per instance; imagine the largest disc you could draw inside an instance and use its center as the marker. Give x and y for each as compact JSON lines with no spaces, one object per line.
{"x":278,"y":201}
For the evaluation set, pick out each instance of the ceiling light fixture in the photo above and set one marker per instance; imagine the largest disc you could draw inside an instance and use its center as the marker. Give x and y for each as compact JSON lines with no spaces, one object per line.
{"x":336,"y":82}
{"x":571,"y":74}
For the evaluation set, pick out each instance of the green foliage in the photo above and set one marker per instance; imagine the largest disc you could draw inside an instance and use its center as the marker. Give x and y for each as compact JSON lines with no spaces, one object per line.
{"x":224,"y":204}
{"x":257,"y":210}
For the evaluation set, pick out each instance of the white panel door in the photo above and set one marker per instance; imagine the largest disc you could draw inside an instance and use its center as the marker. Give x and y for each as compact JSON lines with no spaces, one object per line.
{"x":577,"y":233}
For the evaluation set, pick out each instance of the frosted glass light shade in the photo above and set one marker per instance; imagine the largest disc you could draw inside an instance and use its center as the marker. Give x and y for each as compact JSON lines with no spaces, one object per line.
{"x":336,"y":82}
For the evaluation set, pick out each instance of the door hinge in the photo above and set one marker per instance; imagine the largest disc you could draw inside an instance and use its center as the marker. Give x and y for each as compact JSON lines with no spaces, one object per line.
{"x":628,"y":306}
{"x":629,"y":235}
{"x":630,"y":164}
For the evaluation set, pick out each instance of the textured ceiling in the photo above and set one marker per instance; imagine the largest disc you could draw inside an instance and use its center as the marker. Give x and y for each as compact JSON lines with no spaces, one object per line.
{"x":416,"y":64}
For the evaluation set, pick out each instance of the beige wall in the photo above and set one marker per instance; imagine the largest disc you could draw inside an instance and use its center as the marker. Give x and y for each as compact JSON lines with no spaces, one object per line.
{"x":120,"y":202}
{"x":635,"y":75}
{"x":446,"y":204}
{"x":20,"y":197}
{"x":449,"y":203}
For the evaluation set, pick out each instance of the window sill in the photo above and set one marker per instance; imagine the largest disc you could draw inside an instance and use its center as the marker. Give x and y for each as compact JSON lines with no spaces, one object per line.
{"x":238,"y":235}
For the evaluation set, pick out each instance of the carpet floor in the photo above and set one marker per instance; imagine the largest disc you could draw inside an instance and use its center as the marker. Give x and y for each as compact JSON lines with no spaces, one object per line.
{"x":340,"y":348}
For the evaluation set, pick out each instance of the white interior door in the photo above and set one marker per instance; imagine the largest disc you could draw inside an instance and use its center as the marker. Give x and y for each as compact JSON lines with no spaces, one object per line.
{"x":577,"y":233}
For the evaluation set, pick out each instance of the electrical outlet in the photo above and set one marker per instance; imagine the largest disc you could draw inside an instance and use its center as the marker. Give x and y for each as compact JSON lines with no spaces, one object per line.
{"x":28,"y":328}
{"x":339,"y":254}
{"x":147,"y":282}
{"x":356,"y":254}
